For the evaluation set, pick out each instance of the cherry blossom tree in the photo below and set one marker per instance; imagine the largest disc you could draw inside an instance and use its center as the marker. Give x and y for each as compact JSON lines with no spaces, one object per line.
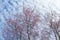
{"x":54,"y":23}
{"x":21,"y":25}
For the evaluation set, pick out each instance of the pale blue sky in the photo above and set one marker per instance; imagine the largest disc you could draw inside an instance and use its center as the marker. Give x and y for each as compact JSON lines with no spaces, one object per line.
{"x":9,"y":7}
